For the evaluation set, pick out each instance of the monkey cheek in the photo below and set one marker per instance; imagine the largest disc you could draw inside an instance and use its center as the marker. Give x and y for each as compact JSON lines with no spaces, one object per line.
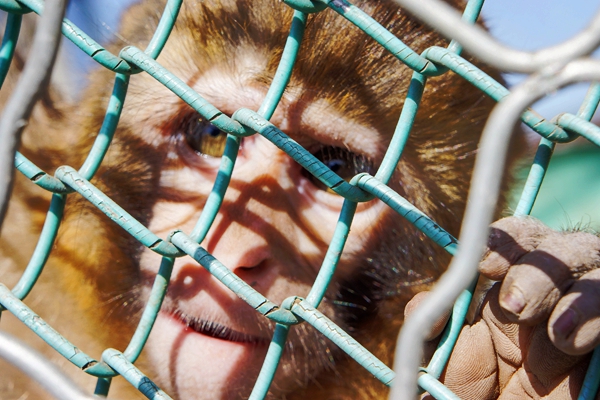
{"x":193,"y":365}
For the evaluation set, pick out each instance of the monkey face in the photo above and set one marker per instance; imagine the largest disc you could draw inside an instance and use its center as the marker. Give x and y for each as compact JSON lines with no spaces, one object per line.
{"x":276,"y":220}
{"x":272,"y":230}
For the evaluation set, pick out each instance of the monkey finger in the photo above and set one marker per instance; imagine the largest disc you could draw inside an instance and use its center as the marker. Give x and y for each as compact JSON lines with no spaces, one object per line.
{"x":574,"y":326}
{"x":506,"y":335}
{"x":531,"y":290}
{"x":533,"y":287}
{"x":545,"y":361}
{"x":439,"y":325}
{"x":472,"y":371}
{"x":528,"y":365}
{"x":510,"y":239}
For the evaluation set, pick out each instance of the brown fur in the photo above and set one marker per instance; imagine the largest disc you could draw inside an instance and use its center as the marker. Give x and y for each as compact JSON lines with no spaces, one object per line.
{"x":96,"y":263}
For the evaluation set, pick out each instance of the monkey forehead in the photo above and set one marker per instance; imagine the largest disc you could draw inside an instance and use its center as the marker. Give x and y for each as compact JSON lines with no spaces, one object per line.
{"x":238,"y":85}
{"x":305,"y":119}
{"x":321,"y":121}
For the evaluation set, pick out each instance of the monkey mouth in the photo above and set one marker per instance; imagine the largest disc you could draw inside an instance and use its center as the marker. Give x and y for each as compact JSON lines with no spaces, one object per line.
{"x":215,"y":329}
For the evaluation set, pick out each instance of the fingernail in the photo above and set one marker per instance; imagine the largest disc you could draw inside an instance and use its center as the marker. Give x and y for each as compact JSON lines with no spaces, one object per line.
{"x":565,"y":324}
{"x":513,"y":301}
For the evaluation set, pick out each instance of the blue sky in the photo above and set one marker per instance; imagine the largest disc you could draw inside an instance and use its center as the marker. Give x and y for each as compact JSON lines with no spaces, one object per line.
{"x":535,"y":24}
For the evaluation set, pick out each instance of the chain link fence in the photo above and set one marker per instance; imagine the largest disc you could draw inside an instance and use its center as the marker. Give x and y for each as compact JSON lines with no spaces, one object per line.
{"x":548,"y":70}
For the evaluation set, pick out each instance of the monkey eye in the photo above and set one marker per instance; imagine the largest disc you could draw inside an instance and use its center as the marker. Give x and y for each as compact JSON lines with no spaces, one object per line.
{"x":203,"y":137}
{"x":341,"y":161}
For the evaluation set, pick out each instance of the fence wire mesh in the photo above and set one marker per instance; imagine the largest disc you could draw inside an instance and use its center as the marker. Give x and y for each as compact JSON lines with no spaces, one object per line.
{"x":550,"y":69}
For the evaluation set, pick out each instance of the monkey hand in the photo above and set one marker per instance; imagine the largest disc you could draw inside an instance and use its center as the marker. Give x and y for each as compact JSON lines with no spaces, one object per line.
{"x":538,"y":323}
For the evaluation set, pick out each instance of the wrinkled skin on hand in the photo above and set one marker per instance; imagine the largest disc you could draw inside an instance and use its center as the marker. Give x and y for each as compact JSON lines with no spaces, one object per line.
{"x":538,"y":323}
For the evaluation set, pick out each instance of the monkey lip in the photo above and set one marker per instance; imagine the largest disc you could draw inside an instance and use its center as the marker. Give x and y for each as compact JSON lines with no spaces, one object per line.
{"x":214,"y":329}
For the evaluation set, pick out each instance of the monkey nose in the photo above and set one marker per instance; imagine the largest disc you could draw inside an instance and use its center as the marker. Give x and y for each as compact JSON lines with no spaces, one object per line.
{"x":238,"y":246}
{"x":245,"y":258}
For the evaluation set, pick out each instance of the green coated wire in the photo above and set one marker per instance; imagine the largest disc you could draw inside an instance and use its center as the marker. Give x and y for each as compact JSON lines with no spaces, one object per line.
{"x":362,"y":188}
{"x":102,"y":387}
{"x":42,"y":249}
{"x":157,"y":295}
{"x":146,"y":63}
{"x":271,"y":362}
{"x":108,"y":128}
{"x":217,"y":194}
{"x":134,"y":376}
{"x":38,"y":176}
{"x":115,"y":212}
{"x":84,"y":42}
{"x":590,"y":102}
{"x":286,"y":64}
{"x":403,"y":128}
{"x":411,"y":213}
{"x":267,"y":108}
{"x":471,"y":13}
{"x":381,"y":35}
{"x":91,"y":164}
{"x":496,"y":91}
{"x":243,"y":290}
{"x":164,"y":28}
{"x":535,"y":177}
{"x":9,"y":43}
{"x":51,"y":336}
{"x":333,"y":255}
{"x":580,"y":126}
{"x":450,"y":335}
{"x":299,"y":154}
{"x":13,"y":7}
{"x":103,"y":56}
{"x":591,"y":381}
{"x":344,"y":341}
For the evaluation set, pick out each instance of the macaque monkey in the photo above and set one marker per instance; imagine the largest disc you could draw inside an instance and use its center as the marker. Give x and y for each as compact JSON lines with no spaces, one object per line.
{"x":276,"y":220}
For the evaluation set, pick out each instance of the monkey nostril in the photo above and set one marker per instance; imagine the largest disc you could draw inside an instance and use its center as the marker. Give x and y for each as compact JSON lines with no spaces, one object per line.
{"x":259,"y":275}
{"x":249,"y":269}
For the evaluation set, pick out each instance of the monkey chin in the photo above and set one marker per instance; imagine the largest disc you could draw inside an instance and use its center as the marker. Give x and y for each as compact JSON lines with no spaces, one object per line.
{"x":196,"y":362}
{"x":206,"y":343}
{"x":203,"y":348}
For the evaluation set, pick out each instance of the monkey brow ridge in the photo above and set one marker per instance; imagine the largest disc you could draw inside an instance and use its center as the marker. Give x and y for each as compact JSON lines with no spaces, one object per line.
{"x":457,"y":285}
